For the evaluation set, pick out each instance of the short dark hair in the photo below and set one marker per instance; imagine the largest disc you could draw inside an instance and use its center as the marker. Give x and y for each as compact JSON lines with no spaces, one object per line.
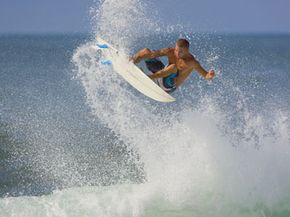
{"x":182,"y":43}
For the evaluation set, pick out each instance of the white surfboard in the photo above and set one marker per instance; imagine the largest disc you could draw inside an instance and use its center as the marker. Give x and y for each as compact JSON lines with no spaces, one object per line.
{"x":131,"y":73}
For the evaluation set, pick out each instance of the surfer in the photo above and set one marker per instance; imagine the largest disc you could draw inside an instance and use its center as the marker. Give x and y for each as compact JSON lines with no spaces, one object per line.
{"x":180,"y":64}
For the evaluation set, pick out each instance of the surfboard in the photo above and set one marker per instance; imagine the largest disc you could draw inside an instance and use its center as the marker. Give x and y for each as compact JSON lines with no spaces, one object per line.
{"x":131,"y":73}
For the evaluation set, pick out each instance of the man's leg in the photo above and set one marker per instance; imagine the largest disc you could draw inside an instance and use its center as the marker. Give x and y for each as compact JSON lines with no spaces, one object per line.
{"x":154,"y":65}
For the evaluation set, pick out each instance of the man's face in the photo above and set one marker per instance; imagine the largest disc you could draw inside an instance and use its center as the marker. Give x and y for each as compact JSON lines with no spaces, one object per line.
{"x":180,"y":52}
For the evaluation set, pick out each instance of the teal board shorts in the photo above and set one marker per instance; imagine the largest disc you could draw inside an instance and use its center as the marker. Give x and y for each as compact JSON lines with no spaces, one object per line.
{"x":167,"y":83}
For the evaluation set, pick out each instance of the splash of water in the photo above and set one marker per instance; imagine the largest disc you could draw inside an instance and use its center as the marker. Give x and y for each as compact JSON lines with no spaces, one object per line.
{"x":186,"y":149}
{"x":187,"y":159}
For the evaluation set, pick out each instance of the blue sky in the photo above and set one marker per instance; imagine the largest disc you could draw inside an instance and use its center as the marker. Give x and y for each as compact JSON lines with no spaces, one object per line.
{"x":200,"y":15}
{"x":231,"y":15}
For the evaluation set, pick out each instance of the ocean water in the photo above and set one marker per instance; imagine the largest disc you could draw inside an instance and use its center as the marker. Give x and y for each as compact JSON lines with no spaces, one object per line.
{"x":77,"y":140}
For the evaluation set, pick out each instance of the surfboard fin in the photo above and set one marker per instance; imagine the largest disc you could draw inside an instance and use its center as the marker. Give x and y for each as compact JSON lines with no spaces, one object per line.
{"x":106,"y":62}
{"x":102,"y":46}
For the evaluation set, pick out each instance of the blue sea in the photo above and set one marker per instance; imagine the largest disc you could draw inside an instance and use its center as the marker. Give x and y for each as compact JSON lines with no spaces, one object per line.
{"x":77,"y":140}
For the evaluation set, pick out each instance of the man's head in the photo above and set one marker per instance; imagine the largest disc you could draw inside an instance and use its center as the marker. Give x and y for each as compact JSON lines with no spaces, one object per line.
{"x":181,"y":48}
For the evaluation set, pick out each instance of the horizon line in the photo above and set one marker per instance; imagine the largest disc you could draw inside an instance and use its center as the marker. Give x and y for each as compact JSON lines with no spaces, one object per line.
{"x":196,"y":32}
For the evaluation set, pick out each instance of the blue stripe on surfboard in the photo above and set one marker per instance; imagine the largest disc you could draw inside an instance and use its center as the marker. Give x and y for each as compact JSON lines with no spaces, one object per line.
{"x":103,"y":45}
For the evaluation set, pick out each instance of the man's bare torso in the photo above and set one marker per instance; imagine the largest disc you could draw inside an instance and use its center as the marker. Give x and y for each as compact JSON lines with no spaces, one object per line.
{"x":184,"y":65}
{"x":181,"y":63}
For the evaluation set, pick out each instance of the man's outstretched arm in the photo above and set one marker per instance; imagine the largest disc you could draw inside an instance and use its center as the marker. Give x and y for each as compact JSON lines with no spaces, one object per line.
{"x":206,"y":74}
{"x":147,"y":53}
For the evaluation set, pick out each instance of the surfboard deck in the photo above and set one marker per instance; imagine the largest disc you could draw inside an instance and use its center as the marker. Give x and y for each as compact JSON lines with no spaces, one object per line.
{"x":131,"y":73}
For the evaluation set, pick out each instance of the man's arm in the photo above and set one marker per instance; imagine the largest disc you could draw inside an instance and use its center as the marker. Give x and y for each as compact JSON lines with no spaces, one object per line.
{"x":147,"y":53}
{"x":207,"y":75}
{"x":164,"y":72}
{"x":194,"y":66}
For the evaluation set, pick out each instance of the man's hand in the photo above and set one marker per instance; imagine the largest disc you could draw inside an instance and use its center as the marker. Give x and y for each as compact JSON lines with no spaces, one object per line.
{"x":151,"y":76}
{"x":210,"y":74}
{"x":134,"y":59}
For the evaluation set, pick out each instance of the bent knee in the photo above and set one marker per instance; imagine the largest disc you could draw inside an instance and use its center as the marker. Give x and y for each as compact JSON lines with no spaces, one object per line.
{"x":146,"y":50}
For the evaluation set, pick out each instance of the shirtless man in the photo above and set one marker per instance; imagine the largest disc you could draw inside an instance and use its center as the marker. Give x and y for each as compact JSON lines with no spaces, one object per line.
{"x":180,"y":64}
